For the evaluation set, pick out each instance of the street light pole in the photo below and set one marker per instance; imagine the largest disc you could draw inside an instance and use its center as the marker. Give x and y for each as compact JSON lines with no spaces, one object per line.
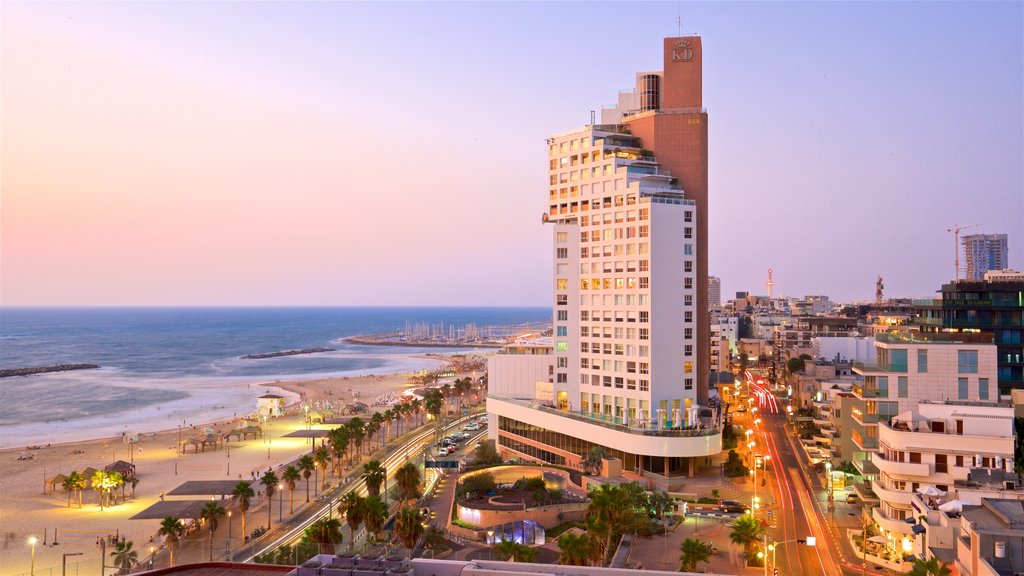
{"x":32,"y":541}
{"x":64,"y":562}
{"x":280,"y":502}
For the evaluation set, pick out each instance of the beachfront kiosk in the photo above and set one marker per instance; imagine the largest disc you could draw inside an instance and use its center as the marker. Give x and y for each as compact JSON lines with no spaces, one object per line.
{"x":270,"y":405}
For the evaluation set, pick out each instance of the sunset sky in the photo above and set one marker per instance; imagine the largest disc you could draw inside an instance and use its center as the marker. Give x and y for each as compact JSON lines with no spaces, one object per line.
{"x":163,"y":153}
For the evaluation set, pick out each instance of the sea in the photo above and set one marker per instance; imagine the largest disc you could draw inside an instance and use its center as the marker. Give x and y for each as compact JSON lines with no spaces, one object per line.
{"x":161,"y":367}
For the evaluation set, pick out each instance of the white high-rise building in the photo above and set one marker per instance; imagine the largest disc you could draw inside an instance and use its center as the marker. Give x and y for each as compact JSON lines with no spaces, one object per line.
{"x":984,"y":252}
{"x":626,"y":286}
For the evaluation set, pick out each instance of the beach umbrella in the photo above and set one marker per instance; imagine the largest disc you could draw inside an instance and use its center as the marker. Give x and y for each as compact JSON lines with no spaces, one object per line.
{"x":878,"y":539}
{"x":953,"y":506}
{"x":930,"y":490}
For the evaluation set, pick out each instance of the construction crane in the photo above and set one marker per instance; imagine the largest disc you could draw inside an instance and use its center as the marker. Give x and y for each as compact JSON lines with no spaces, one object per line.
{"x":956,"y":246}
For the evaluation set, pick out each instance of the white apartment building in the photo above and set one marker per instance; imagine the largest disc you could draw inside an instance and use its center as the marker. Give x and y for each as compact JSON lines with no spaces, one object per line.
{"x":714,"y":292}
{"x":937,"y":444}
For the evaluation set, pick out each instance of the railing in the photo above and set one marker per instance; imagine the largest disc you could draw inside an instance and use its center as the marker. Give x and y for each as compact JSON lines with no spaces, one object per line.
{"x":866,"y":392}
{"x":610,"y":422}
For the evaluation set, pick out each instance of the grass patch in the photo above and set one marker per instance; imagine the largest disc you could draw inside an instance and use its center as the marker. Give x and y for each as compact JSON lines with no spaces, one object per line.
{"x":463,"y":524}
{"x":563,"y":528}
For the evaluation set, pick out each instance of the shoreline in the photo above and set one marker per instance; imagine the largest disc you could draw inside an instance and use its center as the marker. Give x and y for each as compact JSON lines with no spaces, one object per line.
{"x":208,"y":403}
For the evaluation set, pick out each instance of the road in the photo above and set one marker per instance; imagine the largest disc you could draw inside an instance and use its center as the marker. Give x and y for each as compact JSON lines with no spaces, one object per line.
{"x":291,"y":529}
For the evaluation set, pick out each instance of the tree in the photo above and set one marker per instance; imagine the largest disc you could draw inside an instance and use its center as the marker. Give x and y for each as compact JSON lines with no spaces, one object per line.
{"x":353,"y":506}
{"x":930,"y":567}
{"x":269,"y":481}
{"x":320,"y":459}
{"x":486,"y":454}
{"x":291,"y":476}
{"x":242,"y":493}
{"x":614,"y":510}
{"x":170,"y":528}
{"x":746,"y":532}
{"x":478,"y":484}
{"x":69,"y":486}
{"x":80,"y":483}
{"x":574,"y":549}
{"x":339,"y":446}
{"x":510,"y":550}
{"x":407,"y":477}
{"x":124,"y":556}
{"x":306,"y":465}
{"x":375,"y":512}
{"x":101,"y":484}
{"x":325,"y":533}
{"x":592,"y":463}
{"x":433,"y":400}
{"x":794,"y":365}
{"x":374,"y":474}
{"x":409,"y":526}
{"x":691,"y":553}
{"x":356,"y":431}
{"x":212,"y":513}
{"x":661,"y":503}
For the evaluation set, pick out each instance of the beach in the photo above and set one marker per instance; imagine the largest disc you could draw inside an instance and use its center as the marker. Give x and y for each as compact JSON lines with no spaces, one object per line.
{"x":25,"y":509}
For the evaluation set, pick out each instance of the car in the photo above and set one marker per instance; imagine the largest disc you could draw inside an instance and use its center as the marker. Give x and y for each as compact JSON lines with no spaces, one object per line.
{"x":741,"y":408}
{"x":851,"y":498}
{"x":734,"y":507}
{"x":443,"y":451}
{"x":471,"y":427}
{"x":461,"y":436}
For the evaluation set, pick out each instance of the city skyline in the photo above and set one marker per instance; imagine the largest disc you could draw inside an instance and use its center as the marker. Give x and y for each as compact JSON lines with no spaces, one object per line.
{"x":282,"y":154}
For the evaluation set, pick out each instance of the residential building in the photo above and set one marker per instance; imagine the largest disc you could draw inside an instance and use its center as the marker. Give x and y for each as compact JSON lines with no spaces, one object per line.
{"x":714,"y":292}
{"x":808,"y":327}
{"x":844,"y":348}
{"x":993,"y":306}
{"x":627,"y":203}
{"x":984,"y":252}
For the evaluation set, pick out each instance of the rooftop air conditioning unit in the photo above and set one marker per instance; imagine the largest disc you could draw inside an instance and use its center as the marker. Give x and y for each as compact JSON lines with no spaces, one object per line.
{"x":1009,"y":485}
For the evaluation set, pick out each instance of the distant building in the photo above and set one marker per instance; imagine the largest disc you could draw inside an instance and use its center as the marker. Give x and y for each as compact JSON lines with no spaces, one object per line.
{"x":994,"y":306}
{"x":984,"y":252}
{"x":714,"y":292}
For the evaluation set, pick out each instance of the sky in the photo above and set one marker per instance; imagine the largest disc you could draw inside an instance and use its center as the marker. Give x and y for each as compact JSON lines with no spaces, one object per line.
{"x":337,"y":153}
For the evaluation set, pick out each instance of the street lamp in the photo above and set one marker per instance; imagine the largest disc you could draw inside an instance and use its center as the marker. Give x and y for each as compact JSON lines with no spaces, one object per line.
{"x":280,"y":501}
{"x":32,"y":541}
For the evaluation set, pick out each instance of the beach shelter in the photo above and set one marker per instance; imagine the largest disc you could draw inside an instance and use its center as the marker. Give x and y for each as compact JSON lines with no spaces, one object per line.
{"x":88,"y":473}
{"x":53,"y":481}
{"x":121,"y":467}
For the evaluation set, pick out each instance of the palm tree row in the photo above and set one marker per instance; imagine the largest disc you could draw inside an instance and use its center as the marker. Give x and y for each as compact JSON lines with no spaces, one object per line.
{"x":370,"y":511}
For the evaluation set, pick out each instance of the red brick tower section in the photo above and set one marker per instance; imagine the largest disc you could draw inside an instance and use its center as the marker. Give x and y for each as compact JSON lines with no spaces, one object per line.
{"x":678,"y":136}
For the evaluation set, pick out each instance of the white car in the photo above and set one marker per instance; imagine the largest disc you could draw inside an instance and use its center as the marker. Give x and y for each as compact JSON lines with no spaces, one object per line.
{"x":443,"y":451}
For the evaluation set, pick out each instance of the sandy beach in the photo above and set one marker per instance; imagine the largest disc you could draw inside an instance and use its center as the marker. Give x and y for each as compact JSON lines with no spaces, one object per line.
{"x":26,"y":511}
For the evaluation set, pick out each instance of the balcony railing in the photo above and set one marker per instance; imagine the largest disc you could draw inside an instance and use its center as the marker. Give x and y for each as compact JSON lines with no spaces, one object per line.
{"x":615,"y":424}
{"x":897,"y":468}
{"x":863,"y":392}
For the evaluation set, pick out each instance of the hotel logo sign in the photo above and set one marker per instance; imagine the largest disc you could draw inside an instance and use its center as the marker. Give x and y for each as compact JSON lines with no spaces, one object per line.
{"x":682,"y":52}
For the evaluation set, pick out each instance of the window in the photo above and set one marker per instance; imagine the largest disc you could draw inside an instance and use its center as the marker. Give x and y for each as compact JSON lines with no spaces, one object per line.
{"x":898,"y":360}
{"x":688,"y":316}
{"x":983,"y":388}
{"x":562,"y":331}
{"x":688,"y":350}
{"x":687,"y":283}
{"x":688,"y":266}
{"x":688,"y":216}
{"x":645,"y":368}
{"x":688,"y":249}
{"x":644,"y":317}
{"x":562,"y":347}
{"x":563,"y":378}
{"x":967,"y":361}
{"x":901,"y":384}
{"x":883,"y":386}
{"x":922,"y":360}
{"x":561,"y":237}
{"x":688,"y":233}
{"x":688,"y":383}
{"x":645,"y":385}
{"x":562,"y":253}
{"x":645,"y":334}
{"x":961,"y":388}
{"x":688,"y":367}
{"x":563,"y":315}
{"x":562,"y":300}
{"x":562,"y":284}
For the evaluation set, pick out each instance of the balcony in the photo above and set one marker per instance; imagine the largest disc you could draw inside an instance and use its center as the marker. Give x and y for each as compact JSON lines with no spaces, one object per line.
{"x":862,"y":392}
{"x":865,"y":443}
{"x":869,"y":368}
{"x":865,"y":493}
{"x":892,"y":496}
{"x":895,"y":468}
{"x":891,"y":524}
{"x":821,"y":422}
{"x":947,"y":442}
{"x":864,"y":419}
{"x":866,"y":467}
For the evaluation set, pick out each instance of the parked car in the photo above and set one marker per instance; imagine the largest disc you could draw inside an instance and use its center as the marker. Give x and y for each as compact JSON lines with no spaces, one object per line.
{"x":741,"y":408}
{"x":734,"y":507}
{"x":443,"y":451}
{"x":851,"y":498}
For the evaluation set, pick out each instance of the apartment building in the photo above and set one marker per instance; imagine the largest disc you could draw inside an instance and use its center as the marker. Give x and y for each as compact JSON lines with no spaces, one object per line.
{"x":984,"y":252}
{"x":630,"y":363}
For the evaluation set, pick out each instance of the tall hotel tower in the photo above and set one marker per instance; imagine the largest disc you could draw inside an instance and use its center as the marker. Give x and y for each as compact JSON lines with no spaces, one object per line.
{"x":627,"y":367}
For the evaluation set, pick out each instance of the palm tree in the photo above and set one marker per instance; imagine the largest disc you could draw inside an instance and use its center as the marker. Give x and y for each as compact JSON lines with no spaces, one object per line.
{"x":79,"y":485}
{"x":69,"y":486}
{"x":415,"y":407}
{"x":306,"y":465}
{"x":325,"y":533}
{"x":356,"y":432}
{"x":320,"y":458}
{"x":212,"y":513}
{"x":374,"y":473}
{"x":691,"y":553}
{"x":375,"y":512}
{"x":592,"y":463}
{"x":746,"y":532}
{"x":509,"y":550}
{"x":115,"y":480}
{"x":243,"y":493}
{"x":433,"y":401}
{"x":389,"y":416}
{"x":339,"y":446}
{"x":99,"y":484}
{"x":407,"y":477}
{"x":291,"y":476}
{"x":269,"y":481}
{"x":409,"y":526}
{"x":376,"y":424}
{"x":124,"y":556}
{"x":574,"y":549}
{"x":660,"y":503}
{"x":171,"y":528}
{"x":353,"y":507}
{"x":930,"y":567}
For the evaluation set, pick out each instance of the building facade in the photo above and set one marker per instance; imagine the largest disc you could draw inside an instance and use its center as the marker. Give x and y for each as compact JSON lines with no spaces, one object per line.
{"x":984,"y":252}
{"x":630,"y":328}
{"x":714,"y":292}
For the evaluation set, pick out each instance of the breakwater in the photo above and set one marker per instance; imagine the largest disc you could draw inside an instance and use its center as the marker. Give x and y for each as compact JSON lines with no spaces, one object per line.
{"x":263,"y":355}
{"x":391,"y":340}
{"x":45,"y":369}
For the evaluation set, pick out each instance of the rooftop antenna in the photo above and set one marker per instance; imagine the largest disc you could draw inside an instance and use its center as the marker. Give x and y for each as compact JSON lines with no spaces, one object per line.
{"x":679,"y":25}
{"x":592,"y":115}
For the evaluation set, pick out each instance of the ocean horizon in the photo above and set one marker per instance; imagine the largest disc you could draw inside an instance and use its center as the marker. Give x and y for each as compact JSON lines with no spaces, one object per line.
{"x":161,"y":365}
